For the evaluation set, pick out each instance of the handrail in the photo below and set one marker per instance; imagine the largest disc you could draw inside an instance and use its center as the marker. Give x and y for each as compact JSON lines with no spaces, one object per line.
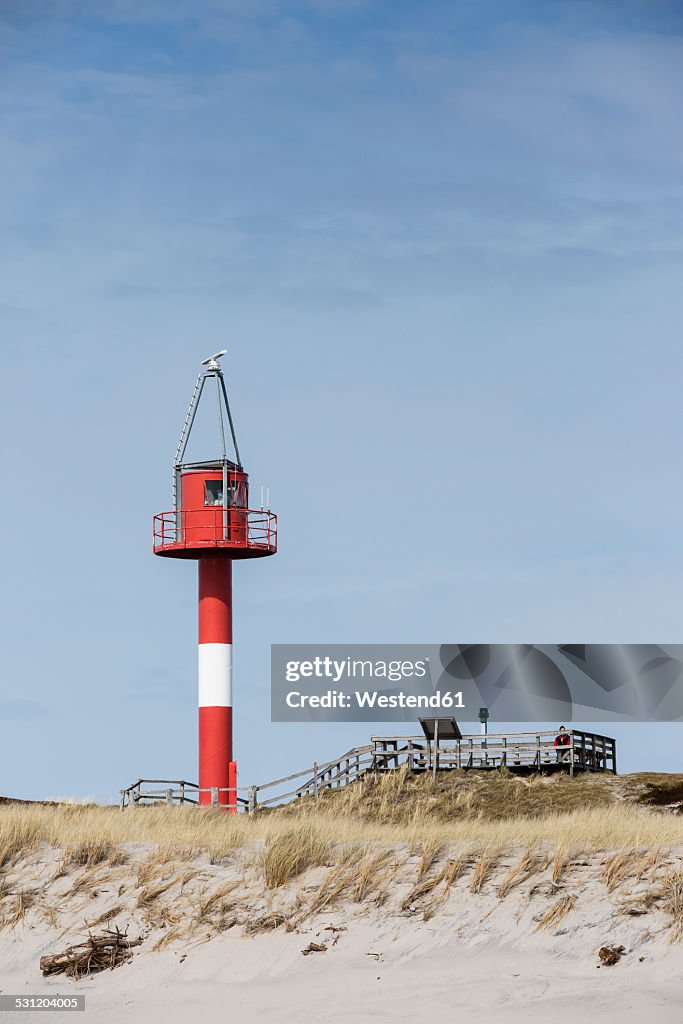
{"x":174,"y":792}
{"x":320,"y":767}
{"x":490,"y":735}
{"x":189,"y":528}
{"x":587,"y":751}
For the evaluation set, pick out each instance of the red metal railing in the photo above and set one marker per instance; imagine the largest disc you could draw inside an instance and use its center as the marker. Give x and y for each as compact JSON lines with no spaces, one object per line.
{"x":252,"y":529}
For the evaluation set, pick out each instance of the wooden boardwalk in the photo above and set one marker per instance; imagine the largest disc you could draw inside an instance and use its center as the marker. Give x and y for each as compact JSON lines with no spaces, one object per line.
{"x":522,"y":752}
{"x":534,"y":751}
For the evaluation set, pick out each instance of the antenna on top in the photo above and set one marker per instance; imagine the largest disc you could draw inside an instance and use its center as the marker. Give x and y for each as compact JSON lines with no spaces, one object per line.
{"x":212,"y":362}
{"x":212,"y":370}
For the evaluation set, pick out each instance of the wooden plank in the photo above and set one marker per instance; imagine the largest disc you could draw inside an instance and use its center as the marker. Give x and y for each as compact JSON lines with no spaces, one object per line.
{"x":322,"y":769}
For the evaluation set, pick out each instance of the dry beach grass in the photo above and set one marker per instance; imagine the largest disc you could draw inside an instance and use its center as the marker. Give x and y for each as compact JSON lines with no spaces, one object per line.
{"x":487,"y":810}
{"x":392,"y":848}
{"x":100,"y":834}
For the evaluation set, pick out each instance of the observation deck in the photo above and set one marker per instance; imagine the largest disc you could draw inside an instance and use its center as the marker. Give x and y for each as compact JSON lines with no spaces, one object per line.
{"x":232,"y":532}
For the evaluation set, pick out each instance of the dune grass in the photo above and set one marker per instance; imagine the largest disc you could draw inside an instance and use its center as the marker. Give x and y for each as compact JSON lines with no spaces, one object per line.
{"x":629,"y":864}
{"x":670,"y":891}
{"x":554,"y":914}
{"x":90,"y":835}
{"x":528,"y":864}
{"x":291,"y":851}
{"x":370,"y":873}
{"x":389,"y":844}
{"x":397,"y":797}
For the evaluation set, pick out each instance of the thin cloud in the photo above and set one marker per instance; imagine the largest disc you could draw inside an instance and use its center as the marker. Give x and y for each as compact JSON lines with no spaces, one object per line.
{"x":23,"y":711}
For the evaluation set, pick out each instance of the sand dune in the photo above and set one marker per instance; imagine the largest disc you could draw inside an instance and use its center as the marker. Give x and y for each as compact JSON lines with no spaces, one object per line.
{"x":410,"y":933}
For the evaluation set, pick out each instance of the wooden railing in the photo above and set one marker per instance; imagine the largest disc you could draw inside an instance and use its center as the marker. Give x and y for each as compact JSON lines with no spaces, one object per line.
{"x":585,"y":751}
{"x":532,"y":750}
{"x":311,"y":781}
{"x":168,"y":791}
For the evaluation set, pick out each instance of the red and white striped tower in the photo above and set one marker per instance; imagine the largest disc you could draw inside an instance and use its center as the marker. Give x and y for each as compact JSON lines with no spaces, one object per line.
{"x":215,"y":674}
{"x":211,"y":522}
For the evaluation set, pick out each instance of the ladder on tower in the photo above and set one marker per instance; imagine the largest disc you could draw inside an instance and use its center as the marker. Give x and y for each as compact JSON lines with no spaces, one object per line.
{"x":187,"y":426}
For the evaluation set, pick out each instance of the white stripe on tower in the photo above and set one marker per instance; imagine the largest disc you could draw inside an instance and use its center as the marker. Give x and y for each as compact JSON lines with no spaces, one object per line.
{"x":215,"y":675}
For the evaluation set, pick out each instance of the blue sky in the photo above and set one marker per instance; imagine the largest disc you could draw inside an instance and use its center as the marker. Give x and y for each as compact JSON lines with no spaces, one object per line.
{"x":441,"y":241}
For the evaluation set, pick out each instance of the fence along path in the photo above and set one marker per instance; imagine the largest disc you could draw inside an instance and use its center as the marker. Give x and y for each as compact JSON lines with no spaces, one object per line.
{"x":516,"y":751}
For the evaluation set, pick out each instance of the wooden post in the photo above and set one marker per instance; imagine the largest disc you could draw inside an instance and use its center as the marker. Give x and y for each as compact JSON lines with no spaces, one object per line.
{"x":169,"y":796}
{"x":315,"y":779}
{"x":122,"y":799}
{"x":214,"y":796}
{"x":252,"y":801}
{"x":182,"y":793}
{"x":436,"y":749}
{"x":571,"y":756}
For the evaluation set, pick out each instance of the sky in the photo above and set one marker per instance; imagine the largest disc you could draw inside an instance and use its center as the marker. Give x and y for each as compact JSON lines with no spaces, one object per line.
{"x":441,"y":241}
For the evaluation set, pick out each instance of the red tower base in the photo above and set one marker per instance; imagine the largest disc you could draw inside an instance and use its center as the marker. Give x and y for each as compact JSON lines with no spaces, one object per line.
{"x":217,"y":770}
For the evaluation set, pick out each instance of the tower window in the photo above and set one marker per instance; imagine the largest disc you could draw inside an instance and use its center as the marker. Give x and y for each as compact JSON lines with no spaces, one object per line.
{"x":213,"y":492}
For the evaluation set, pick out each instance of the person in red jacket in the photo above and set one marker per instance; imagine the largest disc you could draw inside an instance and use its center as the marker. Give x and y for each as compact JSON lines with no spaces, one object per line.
{"x":563,"y":739}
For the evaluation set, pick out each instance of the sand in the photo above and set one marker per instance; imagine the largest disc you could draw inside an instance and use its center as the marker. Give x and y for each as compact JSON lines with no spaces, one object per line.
{"x":477,"y":953}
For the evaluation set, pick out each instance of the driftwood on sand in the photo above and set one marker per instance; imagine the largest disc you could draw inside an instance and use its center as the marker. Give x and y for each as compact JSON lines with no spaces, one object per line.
{"x":97,"y":953}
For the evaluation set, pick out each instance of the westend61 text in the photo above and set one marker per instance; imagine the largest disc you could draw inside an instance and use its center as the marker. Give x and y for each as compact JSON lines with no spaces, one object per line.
{"x":374,"y":699}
